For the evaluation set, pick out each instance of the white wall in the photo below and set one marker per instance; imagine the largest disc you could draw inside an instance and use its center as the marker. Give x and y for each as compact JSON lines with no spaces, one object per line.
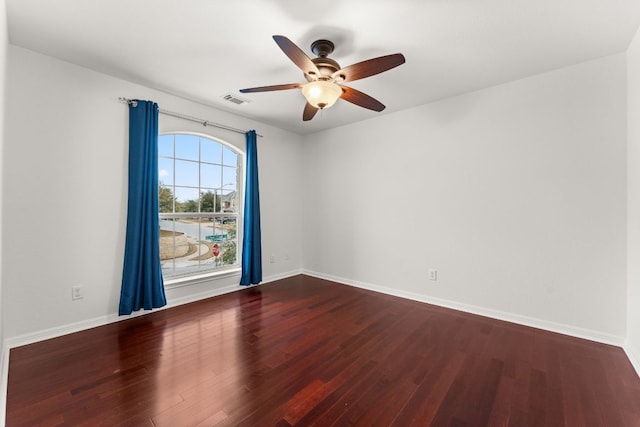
{"x":633,"y":191}
{"x":3,"y":63}
{"x":516,"y":194}
{"x":65,"y":195}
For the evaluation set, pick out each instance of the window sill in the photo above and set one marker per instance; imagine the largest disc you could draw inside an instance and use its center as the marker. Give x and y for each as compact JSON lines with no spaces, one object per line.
{"x":201,"y":278}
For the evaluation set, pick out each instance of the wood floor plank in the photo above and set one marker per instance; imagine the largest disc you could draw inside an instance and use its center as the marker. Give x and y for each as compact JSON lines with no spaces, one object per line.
{"x":308,"y":352}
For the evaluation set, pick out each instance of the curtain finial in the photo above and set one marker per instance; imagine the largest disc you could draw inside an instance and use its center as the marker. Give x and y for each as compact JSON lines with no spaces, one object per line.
{"x":128,"y":101}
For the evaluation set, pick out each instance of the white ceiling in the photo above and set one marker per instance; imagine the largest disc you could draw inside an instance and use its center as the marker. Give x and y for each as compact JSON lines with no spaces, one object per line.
{"x":204,"y":49}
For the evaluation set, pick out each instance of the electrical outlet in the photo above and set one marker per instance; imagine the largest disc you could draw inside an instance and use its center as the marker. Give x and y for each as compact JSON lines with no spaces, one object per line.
{"x":286,"y":257}
{"x":77,"y":292}
{"x":272,"y":258}
{"x":433,"y":274}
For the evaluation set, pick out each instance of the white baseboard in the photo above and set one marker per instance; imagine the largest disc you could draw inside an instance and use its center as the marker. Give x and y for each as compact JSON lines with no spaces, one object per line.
{"x":482,"y":311}
{"x":633,"y":357}
{"x":281,"y":276}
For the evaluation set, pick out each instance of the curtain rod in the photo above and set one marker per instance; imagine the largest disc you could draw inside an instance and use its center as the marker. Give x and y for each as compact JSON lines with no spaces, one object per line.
{"x":202,"y":122}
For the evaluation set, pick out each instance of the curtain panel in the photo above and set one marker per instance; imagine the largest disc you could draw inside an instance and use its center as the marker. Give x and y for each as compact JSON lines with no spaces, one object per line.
{"x":251,"y":238}
{"x":142,"y":284}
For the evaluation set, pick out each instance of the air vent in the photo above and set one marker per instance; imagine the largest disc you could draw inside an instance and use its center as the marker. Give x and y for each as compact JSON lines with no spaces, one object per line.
{"x":235,"y":99}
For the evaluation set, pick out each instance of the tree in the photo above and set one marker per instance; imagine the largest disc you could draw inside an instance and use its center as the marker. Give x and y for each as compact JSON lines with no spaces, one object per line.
{"x":209,"y":202}
{"x":229,"y":252}
{"x":189,"y":206}
{"x":229,"y":247}
{"x":165,"y":198}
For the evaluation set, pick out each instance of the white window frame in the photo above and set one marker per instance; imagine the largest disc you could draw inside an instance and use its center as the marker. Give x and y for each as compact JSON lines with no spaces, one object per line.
{"x":200,"y":275}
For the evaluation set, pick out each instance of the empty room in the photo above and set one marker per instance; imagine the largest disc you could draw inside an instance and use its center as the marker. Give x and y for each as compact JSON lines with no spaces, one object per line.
{"x":279,"y":213}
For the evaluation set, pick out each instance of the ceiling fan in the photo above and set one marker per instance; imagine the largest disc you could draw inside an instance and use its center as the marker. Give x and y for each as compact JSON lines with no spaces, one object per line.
{"x":325,"y":76}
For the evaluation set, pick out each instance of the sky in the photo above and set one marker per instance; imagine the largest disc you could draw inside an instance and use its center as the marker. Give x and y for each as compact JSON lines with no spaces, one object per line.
{"x":200,"y":164}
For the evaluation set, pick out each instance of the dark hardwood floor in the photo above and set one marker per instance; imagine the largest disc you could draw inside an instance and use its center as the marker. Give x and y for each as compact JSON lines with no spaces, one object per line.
{"x":304,"y":351}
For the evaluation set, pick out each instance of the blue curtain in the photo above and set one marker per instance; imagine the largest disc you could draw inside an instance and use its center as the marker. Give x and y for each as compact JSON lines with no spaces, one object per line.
{"x":251,"y":240}
{"x":142,"y":285}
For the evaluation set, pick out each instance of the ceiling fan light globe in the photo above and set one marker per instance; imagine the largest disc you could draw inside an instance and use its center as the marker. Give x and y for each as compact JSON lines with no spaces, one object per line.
{"x":321,"y":94}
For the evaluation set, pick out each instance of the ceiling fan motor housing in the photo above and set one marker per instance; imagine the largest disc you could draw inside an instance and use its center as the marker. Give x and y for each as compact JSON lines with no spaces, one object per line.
{"x":326,"y":66}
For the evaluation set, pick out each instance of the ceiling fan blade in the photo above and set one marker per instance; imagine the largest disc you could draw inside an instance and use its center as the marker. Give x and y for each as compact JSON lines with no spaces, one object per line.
{"x":368,"y":68}
{"x":297,"y":56}
{"x":361,"y":99}
{"x":271,"y":88}
{"x":309,"y":112}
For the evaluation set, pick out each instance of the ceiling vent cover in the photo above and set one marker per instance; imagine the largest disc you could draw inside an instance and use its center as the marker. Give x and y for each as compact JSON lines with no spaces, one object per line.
{"x":235,"y":99}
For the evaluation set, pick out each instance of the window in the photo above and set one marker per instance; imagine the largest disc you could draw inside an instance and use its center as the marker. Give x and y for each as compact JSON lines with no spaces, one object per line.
{"x":199,"y":197}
